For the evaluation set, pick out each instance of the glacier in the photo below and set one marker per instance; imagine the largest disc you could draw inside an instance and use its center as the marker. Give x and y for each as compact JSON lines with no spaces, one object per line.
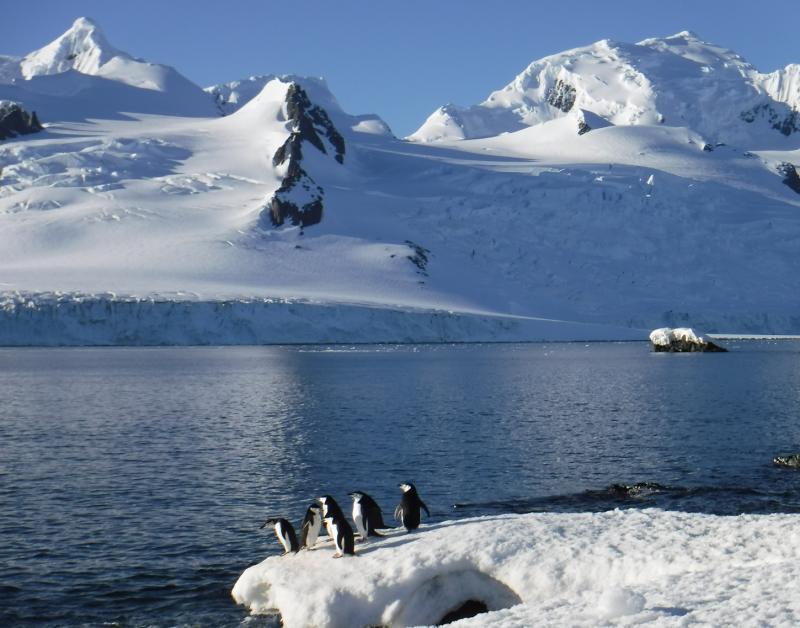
{"x":607,"y":191}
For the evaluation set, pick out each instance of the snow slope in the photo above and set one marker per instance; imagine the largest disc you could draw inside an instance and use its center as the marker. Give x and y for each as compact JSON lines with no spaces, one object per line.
{"x":626,"y":567}
{"x":137,"y":198}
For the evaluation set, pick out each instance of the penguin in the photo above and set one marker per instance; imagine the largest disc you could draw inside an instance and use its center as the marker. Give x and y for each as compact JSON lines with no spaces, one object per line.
{"x":330,"y":507}
{"x":285,"y":533}
{"x":408,"y":510}
{"x":341,"y":533}
{"x":367,"y":515}
{"x":312,"y":522}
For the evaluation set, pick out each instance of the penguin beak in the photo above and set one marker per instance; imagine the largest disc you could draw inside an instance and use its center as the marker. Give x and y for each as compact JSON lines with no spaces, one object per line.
{"x":264,"y":525}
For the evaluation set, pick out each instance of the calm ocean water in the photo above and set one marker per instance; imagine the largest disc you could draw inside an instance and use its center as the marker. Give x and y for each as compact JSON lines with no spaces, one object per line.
{"x":133,"y":481}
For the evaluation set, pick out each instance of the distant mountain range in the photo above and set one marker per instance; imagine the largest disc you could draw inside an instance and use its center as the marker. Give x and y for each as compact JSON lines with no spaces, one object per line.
{"x":607,"y":190}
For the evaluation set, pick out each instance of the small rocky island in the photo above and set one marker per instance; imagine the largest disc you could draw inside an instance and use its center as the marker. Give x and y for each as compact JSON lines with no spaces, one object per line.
{"x":681,"y":340}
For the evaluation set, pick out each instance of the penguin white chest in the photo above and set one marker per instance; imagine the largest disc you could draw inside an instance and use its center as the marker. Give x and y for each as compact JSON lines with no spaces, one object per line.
{"x":313,"y":532}
{"x":284,"y":541}
{"x":358,"y":518}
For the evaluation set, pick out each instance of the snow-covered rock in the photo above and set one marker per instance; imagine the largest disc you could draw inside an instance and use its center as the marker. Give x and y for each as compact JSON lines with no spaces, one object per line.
{"x":681,"y":340}
{"x":625,"y":566}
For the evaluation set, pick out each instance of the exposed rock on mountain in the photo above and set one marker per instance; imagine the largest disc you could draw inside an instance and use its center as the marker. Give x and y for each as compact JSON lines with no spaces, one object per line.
{"x":14,"y":120}
{"x":790,"y":175}
{"x":561,"y":95}
{"x":299,"y":198}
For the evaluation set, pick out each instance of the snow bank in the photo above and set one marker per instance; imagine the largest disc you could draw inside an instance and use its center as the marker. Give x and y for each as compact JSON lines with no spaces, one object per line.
{"x":81,"y":320}
{"x":584,"y":569}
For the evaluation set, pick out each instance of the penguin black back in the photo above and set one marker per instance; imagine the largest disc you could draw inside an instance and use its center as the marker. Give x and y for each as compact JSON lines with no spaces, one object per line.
{"x":330,"y":506}
{"x":342,"y":535}
{"x":408,"y":510}
{"x":367,"y":515}
{"x":285,"y":533}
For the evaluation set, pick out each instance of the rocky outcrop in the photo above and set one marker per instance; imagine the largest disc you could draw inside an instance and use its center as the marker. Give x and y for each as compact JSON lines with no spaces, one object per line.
{"x":790,"y":175}
{"x":562,"y":95}
{"x":14,"y":121}
{"x":299,"y":200}
{"x":784,"y":123}
{"x":681,"y":340}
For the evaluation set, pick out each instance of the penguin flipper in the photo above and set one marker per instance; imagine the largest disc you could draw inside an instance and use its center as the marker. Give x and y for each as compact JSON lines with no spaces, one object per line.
{"x":422,"y":505}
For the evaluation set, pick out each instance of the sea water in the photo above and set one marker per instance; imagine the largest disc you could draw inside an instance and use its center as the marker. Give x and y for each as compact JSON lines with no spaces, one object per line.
{"x":133,"y":481}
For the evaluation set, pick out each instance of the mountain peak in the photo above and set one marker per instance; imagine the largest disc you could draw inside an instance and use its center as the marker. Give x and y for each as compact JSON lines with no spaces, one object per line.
{"x":83,"y":47}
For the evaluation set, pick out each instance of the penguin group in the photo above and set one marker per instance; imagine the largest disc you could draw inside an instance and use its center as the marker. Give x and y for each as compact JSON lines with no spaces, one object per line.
{"x":367,"y":517}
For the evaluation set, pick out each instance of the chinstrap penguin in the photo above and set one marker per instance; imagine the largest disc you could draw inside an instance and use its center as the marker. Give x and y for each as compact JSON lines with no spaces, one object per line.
{"x":285,"y":533}
{"x":341,"y":533}
{"x":367,"y":515}
{"x":309,"y":531}
{"x":408,"y":510}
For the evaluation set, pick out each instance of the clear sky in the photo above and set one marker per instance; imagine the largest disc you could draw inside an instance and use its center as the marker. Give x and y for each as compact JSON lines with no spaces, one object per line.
{"x":398,"y":59}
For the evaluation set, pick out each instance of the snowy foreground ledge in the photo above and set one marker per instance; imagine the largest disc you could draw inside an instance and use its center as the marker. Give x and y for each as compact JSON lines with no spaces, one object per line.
{"x":622,"y":567}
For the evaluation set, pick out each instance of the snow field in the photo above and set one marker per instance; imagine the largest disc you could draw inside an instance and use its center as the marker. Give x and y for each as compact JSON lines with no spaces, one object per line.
{"x":623,"y":567}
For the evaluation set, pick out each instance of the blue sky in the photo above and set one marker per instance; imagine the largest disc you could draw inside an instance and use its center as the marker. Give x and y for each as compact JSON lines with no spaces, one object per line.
{"x":398,"y":59}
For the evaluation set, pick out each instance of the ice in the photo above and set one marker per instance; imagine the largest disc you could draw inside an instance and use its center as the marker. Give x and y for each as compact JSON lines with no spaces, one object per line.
{"x":624,"y":567}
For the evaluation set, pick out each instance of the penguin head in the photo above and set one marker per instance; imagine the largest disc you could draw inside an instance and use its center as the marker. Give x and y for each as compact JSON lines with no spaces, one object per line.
{"x":315,"y":508}
{"x":406,"y":486}
{"x":356,"y":495}
{"x":325,"y":501}
{"x":269,"y":522}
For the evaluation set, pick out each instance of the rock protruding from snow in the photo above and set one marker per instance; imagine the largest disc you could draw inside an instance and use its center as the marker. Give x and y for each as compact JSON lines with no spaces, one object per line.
{"x":681,"y":340}
{"x":14,"y":120}
{"x":299,"y":198}
{"x":790,"y":175}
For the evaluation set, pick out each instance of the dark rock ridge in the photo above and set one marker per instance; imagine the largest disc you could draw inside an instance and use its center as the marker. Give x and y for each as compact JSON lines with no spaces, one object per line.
{"x":792,"y":461}
{"x":562,"y":95}
{"x":790,"y":176}
{"x":14,"y":121}
{"x":785,"y":123}
{"x":681,"y":340}
{"x":299,"y":200}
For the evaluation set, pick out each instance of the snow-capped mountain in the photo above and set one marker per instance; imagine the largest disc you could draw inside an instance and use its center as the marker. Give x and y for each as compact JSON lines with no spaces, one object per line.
{"x":612,"y":208}
{"x":678,"y":81}
{"x":232,"y":96}
{"x":80,"y":75}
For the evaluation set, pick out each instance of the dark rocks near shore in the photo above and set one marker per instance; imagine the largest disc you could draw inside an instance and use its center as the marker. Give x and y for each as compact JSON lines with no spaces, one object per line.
{"x":791,"y":461}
